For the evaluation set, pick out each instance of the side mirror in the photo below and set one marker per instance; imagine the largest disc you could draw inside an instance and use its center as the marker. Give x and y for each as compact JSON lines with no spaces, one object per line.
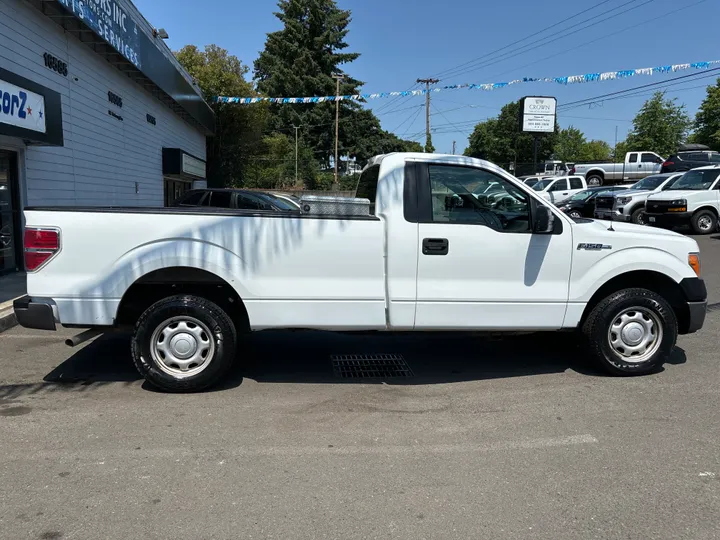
{"x":543,"y":220}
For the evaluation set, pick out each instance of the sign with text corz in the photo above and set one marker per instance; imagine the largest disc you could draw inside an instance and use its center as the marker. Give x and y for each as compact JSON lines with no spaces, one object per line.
{"x":538,"y":114}
{"x":21,"y":108}
{"x":110,"y":21}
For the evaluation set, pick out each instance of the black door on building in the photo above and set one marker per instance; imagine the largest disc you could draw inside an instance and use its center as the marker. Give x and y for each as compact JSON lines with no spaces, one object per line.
{"x":10,"y":222}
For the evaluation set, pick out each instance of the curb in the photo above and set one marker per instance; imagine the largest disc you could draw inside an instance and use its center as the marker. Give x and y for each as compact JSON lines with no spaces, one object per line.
{"x":7,"y":316}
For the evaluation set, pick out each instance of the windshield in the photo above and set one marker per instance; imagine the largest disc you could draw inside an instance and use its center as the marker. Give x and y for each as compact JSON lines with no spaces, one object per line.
{"x":651,"y":182}
{"x":542,"y":184}
{"x":583,"y":195}
{"x":281,"y":203}
{"x":696,"y":180}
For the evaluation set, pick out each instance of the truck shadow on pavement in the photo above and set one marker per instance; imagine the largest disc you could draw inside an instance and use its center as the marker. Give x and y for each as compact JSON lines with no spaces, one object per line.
{"x":305,"y":357}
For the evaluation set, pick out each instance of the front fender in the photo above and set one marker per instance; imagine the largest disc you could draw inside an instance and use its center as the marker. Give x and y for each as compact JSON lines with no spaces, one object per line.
{"x":589,"y":275}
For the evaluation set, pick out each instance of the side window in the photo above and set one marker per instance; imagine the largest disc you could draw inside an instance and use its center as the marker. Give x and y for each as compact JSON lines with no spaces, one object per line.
{"x":633,"y":158}
{"x":367,"y":185}
{"x":650,"y":158}
{"x":714,"y":158}
{"x":477,"y":197}
{"x":220,"y":199}
{"x":697,"y":157}
{"x":192,"y":199}
{"x":246,"y":202}
{"x":559,"y":185}
{"x":576,"y":183}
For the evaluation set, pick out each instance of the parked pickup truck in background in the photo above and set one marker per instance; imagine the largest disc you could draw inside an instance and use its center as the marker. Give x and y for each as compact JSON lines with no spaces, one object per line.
{"x":693,"y":200}
{"x":637,"y":165}
{"x":559,"y":189}
{"x":630,"y":205}
{"x":439,"y":252}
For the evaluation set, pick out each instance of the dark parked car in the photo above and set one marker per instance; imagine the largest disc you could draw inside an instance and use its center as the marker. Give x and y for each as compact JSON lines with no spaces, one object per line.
{"x":689,"y":157}
{"x":240,"y":199}
{"x":582,"y":204}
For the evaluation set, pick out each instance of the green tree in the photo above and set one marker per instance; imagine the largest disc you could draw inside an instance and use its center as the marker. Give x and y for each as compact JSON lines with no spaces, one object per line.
{"x":596,"y":150}
{"x":570,"y":145}
{"x":707,"y":120}
{"x":239,"y":129}
{"x":300,"y":60}
{"x":660,"y":126}
{"x":500,"y":140}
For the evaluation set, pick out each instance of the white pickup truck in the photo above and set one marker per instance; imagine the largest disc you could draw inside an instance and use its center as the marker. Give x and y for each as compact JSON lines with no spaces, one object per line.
{"x":438,"y":253}
{"x":560,"y":188}
{"x":637,"y":165}
{"x":694,"y":199}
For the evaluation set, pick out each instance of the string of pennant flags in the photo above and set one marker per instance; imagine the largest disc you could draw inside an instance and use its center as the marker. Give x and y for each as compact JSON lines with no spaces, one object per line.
{"x":571,"y":79}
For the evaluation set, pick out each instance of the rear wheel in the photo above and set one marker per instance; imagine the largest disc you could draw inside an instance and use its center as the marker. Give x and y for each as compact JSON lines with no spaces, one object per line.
{"x":183,"y":343}
{"x":631,"y":332}
{"x":704,"y":222}
{"x":638,"y":216}
{"x":594,"y":180}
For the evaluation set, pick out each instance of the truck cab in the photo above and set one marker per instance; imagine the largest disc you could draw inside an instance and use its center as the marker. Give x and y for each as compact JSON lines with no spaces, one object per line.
{"x":558,"y":189}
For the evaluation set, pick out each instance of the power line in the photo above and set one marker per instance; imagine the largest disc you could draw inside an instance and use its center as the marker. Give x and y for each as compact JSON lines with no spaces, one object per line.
{"x":414,"y":117}
{"x":534,"y":34}
{"x":605,"y":97}
{"x":533,"y":46}
{"x":601,"y":38}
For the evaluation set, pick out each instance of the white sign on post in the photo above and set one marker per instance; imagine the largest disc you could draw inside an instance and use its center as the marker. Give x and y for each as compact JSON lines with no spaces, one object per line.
{"x":21,"y":108}
{"x":539,"y":114}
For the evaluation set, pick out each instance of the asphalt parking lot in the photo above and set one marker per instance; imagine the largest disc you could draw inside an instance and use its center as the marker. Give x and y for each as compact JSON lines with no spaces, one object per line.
{"x":490,"y":438}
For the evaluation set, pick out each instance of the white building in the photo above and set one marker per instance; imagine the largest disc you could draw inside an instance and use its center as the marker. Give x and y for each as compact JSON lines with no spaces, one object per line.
{"x":94,"y":110}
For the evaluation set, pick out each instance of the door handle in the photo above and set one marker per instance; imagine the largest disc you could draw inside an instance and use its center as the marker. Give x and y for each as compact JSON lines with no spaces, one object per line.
{"x":435,"y":246}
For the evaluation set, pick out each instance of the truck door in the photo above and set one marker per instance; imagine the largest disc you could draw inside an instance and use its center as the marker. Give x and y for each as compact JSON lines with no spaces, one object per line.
{"x":479,"y":264}
{"x":650,"y":164}
{"x":633,"y":168}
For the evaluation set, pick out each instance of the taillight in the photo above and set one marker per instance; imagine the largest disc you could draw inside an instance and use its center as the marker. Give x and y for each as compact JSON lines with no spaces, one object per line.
{"x":572,"y":171}
{"x":41,"y":245}
{"x":668,"y":163}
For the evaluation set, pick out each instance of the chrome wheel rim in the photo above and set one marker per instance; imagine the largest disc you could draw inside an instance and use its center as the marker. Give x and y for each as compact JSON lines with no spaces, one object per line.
{"x":635,"y":334}
{"x":594,"y":181}
{"x":704,"y":223}
{"x":575,"y":214}
{"x":182,"y":346}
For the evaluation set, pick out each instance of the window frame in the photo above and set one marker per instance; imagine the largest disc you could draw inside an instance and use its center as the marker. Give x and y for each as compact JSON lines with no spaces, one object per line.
{"x":578,"y":180}
{"x":633,"y":155}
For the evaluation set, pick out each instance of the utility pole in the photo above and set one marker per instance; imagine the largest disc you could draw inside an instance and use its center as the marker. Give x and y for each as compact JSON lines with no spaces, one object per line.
{"x":296,"y":153}
{"x":428,"y":141}
{"x":453,"y":148}
{"x":338,"y":77}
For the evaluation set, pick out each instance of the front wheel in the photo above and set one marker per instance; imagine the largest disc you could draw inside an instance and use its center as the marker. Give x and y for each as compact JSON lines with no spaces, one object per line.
{"x":631,"y":332}
{"x":704,"y":222}
{"x":184,"y":343}
{"x":638,"y":217}
{"x":575,"y":214}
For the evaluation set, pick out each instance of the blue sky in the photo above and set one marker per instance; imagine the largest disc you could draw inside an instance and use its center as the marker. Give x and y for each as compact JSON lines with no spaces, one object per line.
{"x":399,"y":44}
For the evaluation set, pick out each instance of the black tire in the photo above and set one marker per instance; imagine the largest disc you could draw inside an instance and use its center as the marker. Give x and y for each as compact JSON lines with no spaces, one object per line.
{"x":575,"y":214}
{"x":597,"y":331}
{"x":704,"y":222}
{"x":221,"y":338}
{"x":595,"y":180}
{"x":638,"y":216}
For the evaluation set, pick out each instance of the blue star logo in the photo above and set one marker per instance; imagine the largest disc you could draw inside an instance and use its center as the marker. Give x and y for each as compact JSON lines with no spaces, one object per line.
{"x":41,"y":114}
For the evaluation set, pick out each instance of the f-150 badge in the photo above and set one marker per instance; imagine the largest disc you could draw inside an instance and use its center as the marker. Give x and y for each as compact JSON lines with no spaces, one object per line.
{"x":594,"y":247}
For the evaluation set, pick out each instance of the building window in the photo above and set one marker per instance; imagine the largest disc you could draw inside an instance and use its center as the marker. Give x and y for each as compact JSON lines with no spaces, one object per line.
{"x":174,"y":189}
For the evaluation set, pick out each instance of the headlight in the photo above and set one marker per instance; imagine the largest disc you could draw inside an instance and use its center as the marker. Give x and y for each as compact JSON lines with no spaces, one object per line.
{"x":623,"y":200}
{"x":678,"y":202}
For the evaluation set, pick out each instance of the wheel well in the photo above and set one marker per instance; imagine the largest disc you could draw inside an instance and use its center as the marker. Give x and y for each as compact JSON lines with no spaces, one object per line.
{"x":597,"y":172}
{"x":160,"y":284}
{"x":711,"y":208}
{"x":646,"y":279}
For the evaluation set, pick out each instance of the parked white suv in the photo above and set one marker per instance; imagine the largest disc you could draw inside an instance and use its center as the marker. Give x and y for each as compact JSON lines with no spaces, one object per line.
{"x":693,"y":200}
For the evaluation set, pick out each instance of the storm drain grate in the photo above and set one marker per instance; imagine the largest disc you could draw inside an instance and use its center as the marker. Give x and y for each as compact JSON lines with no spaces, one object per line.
{"x":713,"y":307}
{"x":370,"y":366}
